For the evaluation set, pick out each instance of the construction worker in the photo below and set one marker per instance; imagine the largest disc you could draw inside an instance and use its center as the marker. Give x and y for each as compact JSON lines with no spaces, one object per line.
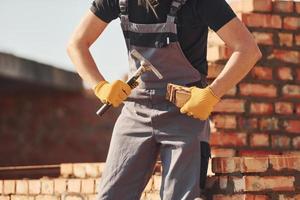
{"x":172,"y":35}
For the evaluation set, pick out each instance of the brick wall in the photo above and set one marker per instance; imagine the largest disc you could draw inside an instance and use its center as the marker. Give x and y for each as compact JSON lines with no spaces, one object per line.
{"x":261,"y":115}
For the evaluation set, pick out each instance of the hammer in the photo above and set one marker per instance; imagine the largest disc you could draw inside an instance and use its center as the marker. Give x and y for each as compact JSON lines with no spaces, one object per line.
{"x":145,"y":65}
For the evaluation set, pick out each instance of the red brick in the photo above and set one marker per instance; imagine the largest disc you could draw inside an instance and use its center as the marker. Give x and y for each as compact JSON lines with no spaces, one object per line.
{"x":284,"y":108}
{"x":263,"y":38}
{"x":297,"y":6}
{"x":296,"y":142}
{"x":256,"y":5}
{"x":287,"y":56}
{"x":262,"y":73}
{"x":292,"y":126}
{"x":240,"y":164}
{"x":259,"y":140}
{"x":259,"y":90}
{"x":268,"y":124}
{"x":298,"y":74}
{"x":240,"y":197}
{"x":275,"y":183}
{"x":291,"y":23}
{"x":230,"y":105}
{"x":214,"y":70}
{"x":298,"y":109}
{"x":261,"y":108}
{"x":224,"y":121}
{"x":219,"y":52}
{"x":222,"y":152}
{"x":248,"y":123}
{"x":262,"y":20}
{"x":257,"y":153}
{"x":280,"y":163}
{"x":280,"y":141}
{"x":285,"y":39}
{"x":297,"y":39}
{"x":285,"y":73}
{"x":289,"y":197}
{"x":228,"y":139}
{"x":291,"y":91}
{"x":283,"y":6}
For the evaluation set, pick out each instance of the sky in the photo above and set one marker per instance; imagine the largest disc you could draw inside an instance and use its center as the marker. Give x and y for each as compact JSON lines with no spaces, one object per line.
{"x":39,"y":30}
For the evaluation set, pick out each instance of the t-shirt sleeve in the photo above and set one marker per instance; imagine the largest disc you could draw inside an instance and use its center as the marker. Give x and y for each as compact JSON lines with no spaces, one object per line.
{"x":215,"y":13}
{"x":106,"y":10}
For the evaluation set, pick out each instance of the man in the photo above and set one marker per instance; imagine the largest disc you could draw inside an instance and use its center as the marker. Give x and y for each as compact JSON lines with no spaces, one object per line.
{"x":172,"y":35}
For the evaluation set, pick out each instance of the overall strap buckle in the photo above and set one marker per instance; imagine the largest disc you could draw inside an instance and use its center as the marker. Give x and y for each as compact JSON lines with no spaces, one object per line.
{"x":175,"y":7}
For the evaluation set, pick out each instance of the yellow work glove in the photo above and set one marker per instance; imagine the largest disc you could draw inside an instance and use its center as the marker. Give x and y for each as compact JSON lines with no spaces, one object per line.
{"x":201,"y":103}
{"x":113,"y":93}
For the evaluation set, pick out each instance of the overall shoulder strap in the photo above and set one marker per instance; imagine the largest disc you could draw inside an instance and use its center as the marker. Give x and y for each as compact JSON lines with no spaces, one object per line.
{"x":175,"y":7}
{"x":123,"y":7}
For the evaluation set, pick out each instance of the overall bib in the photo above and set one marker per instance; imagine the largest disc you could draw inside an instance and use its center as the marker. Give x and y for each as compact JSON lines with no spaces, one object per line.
{"x":150,"y":125}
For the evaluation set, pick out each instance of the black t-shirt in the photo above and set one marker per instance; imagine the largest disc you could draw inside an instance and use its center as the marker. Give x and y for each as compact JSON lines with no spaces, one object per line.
{"x":193,"y":20}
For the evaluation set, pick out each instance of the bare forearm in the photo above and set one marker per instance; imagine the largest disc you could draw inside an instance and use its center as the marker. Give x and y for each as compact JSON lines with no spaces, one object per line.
{"x":84,"y":64}
{"x":239,"y":64}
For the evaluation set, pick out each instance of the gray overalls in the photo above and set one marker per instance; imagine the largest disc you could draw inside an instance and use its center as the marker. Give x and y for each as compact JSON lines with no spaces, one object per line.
{"x":150,"y":125}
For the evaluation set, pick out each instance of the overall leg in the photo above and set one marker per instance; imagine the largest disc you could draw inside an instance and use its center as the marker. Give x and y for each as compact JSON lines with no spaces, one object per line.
{"x":131,"y":158}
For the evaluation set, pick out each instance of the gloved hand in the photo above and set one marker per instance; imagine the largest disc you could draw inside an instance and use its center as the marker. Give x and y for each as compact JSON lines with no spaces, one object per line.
{"x":112,"y":93}
{"x":201,"y":103}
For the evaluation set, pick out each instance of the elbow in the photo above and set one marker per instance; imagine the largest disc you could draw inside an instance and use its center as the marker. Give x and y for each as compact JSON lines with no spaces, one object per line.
{"x":251,"y":51}
{"x":75,"y":45}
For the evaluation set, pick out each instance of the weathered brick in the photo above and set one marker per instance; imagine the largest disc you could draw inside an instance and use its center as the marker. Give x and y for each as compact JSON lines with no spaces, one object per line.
{"x":101,"y":167}
{"x":224,"y":121}
{"x":262,"y":73}
{"x":21,"y":187}
{"x":238,"y":183}
{"x":34,"y":186}
{"x":74,"y":185}
{"x":60,"y":185}
{"x":297,"y":39}
{"x":79,"y":170}
{"x":292,"y":126}
{"x":285,"y":73}
{"x":258,"y":90}
{"x":298,"y":74}
{"x":296,"y":142}
{"x":239,"y":164}
{"x":4,"y":197}
{"x":286,"y":56}
{"x":270,"y":124}
{"x":222,"y":152}
{"x":218,"y":52}
{"x":291,"y":91}
{"x":289,"y":197}
{"x":259,"y":164}
{"x":66,"y":169}
{"x":92,"y":197}
{"x":285,"y":39}
{"x":87,"y":186}
{"x":259,"y":140}
{"x":261,"y":108}
{"x":230,"y":105}
{"x":275,"y":183}
{"x":284,"y":108}
{"x":97,"y":183}
{"x":92,"y":170}
{"x":279,"y":163}
{"x":261,"y":20}
{"x":47,"y":186}
{"x":283,"y":6}
{"x":257,"y":153}
{"x":280,"y":141}
{"x":256,"y":5}
{"x":248,"y":123}
{"x":21,"y":197}
{"x":263,"y":38}
{"x":228,"y":139}
{"x":240,"y":197}
{"x":1,"y":187}
{"x":47,"y":197}
{"x":214,"y":70}
{"x":297,"y":6}
{"x":298,"y":109}
{"x":9,"y":186}
{"x":223,"y":180}
{"x":292,"y":23}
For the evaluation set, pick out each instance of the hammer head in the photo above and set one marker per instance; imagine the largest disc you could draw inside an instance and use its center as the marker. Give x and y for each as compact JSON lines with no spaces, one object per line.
{"x":145,"y":63}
